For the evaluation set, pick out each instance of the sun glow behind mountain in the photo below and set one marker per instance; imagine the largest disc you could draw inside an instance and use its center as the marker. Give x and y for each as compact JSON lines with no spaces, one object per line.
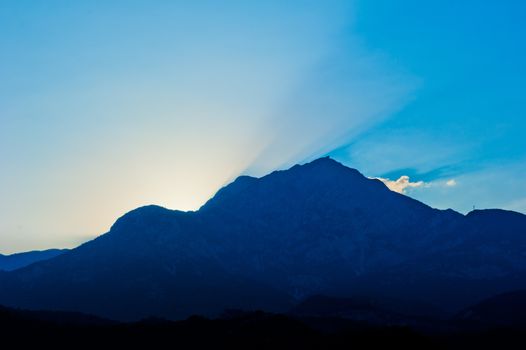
{"x":169,"y":103}
{"x":105,"y":107}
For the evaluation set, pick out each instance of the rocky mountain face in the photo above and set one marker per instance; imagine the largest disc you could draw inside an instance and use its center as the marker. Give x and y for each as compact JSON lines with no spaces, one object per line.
{"x":267,"y":243}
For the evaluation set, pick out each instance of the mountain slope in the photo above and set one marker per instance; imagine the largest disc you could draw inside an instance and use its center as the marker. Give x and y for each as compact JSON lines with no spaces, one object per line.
{"x":19,"y":260}
{"x":318,"y":228}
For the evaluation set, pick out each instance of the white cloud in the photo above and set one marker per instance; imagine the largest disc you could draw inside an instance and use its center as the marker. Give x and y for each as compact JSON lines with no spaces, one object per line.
{"x":402,"y":184}
{"x":451,"y":183}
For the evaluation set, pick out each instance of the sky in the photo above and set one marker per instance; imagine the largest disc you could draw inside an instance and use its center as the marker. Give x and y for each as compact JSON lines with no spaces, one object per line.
{"x":110,"y":105}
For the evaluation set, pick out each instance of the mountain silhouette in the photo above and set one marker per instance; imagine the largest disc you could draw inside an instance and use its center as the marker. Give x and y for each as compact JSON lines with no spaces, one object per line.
{"x":19,"y":260}
{"x":268,"y":243}
{"x":503,"y":310}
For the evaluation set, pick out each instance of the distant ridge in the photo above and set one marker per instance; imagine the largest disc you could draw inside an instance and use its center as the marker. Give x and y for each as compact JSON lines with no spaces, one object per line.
{"x":16,"y":261}
{"x":268,"y":243}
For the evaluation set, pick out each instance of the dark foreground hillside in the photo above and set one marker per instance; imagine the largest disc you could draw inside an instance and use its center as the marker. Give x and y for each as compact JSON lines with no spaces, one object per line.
{"x":254,"y":330}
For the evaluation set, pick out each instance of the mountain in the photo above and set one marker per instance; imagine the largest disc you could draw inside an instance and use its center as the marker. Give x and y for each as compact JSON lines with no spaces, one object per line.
{"x":363,"y":308}
{"x":240,"y":330}
{"x":268,"y":243}
{"x":317,"y":323}
{"x":503,"y":310}
{"x":356,"y":309}
{"x":19,"y":260}
{"x":9,"y":317}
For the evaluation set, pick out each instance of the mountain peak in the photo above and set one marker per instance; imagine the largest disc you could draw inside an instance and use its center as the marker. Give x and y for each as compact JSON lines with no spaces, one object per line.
{"x":329,"y":164}
{"x":301,"y":177}
{"x":327,"y":160}
{"x":140,"y":217}
{"x":324,"y":167}
{"x":322,"y":163}
{"x":144,"y":211}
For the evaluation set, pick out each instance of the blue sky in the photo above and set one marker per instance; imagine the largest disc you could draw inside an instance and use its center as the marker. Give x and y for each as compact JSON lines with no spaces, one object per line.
{"x":109,"y":105}
{"x":467,"y":119}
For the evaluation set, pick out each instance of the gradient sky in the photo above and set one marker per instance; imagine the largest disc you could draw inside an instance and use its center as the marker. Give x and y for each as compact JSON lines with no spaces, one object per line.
{"x":109,"y":105}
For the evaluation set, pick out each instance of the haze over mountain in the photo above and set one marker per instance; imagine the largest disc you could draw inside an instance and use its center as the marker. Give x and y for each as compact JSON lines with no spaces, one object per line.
{"x":268,"y":243}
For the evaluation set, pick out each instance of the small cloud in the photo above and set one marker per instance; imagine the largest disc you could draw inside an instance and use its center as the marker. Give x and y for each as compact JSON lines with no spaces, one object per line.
{"x":402,"y":184}
{"x":451,"y":183}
